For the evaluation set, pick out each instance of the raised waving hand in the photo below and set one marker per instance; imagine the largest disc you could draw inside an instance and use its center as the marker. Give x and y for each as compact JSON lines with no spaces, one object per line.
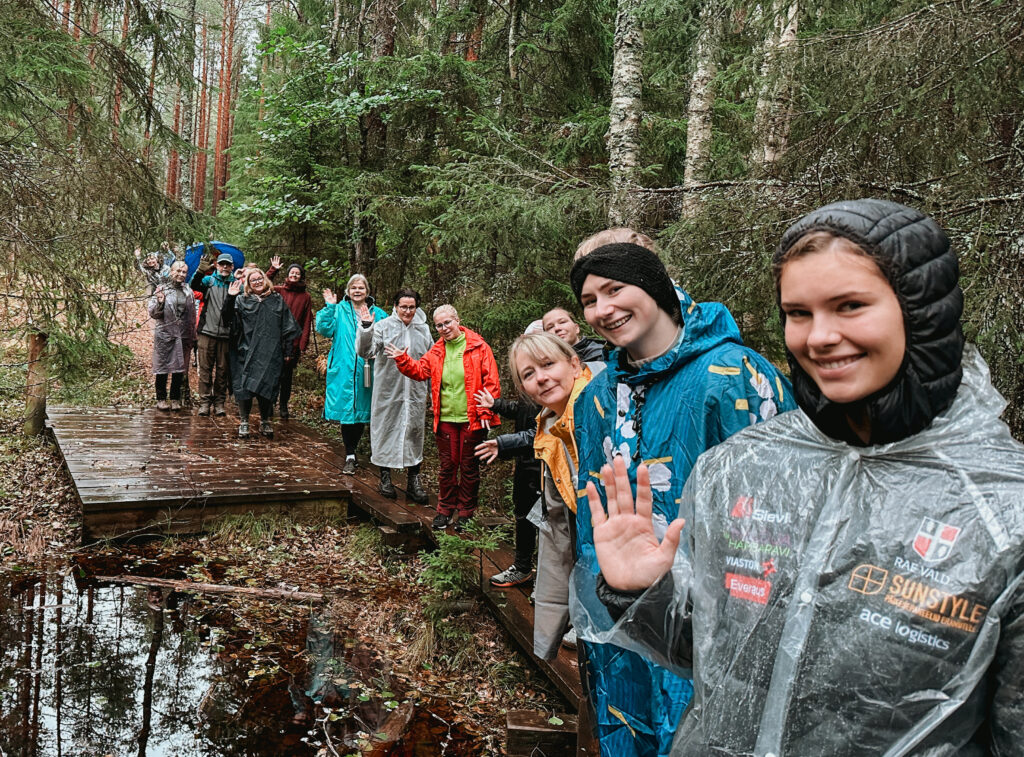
{"x":630,"y":556}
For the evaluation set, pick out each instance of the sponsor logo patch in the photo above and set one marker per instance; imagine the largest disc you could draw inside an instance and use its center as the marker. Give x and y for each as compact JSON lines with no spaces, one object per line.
{"x":934,"y":540}
{"x":743,"y":508}
{"x":918,"y":597}
{"x":748,"y":588}
{"x":903,"y":630}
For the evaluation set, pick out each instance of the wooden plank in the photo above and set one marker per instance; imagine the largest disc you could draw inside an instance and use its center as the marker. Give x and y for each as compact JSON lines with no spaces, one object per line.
{"x":255,"y":498}
{"x":532,"y":734}
{"x":196,"y":519}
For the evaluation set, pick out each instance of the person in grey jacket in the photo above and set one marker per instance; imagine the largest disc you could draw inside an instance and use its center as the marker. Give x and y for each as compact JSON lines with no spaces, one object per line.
{"x":214,"y":334}
{"x":398,"y":403}
{"x":850,"y":579}
{"x":173,"y":310}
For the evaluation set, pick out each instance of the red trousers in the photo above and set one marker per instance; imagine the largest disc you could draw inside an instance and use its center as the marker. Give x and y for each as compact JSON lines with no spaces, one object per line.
{"x":459,"y":476}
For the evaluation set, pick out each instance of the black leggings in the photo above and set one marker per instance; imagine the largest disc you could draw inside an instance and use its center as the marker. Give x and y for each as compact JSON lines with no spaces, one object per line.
{"x":287,"y":370}
{"x":245,"y":407}
{"x":161,"y":385}
{"x":351,"y":433}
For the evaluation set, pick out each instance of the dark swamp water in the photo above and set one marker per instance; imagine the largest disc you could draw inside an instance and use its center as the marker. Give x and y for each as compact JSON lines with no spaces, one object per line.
{"x":92,"y":669}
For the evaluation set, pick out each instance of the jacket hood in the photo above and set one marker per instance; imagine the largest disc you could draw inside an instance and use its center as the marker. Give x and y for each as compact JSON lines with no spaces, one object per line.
{"x":420,"y":319}
{"x":705,"y":326}
{"x":914,"y":254}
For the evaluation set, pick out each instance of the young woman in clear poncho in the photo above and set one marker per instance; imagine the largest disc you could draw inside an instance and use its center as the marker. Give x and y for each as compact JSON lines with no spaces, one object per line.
{"x":845,"y":579}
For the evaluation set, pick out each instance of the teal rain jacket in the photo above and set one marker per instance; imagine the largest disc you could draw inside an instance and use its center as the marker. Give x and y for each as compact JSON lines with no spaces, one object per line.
{"x":666,"y":413}
{"x":347,"y":400}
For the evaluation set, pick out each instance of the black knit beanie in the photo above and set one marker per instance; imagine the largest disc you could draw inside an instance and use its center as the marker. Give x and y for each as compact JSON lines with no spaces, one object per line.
{"x":630,"y":264}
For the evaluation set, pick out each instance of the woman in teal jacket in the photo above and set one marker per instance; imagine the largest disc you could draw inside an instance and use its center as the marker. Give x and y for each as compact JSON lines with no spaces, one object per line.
{"x":349,"y":387}
{"x":663,"y":407}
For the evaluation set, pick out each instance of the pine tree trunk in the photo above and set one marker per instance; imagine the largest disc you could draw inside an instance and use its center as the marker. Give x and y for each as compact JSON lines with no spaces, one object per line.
{"x":223,"y":85}
{"x":202,"y":130}
{"x":476,"y":38}
{"x":150,"y":92}
{"x":173,"y":162}
{"x":115,"y":116}
{"x":773,"y":112}
{"x":700,"y":107}
{"x":625,"y":114}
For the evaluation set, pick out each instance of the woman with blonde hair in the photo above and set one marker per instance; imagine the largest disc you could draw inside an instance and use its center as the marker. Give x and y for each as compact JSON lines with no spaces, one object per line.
{"x":349,"y":377}
{"x":263,"y":326}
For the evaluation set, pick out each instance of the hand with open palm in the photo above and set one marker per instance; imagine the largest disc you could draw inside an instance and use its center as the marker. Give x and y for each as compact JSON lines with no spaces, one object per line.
{"x":628,"y":552}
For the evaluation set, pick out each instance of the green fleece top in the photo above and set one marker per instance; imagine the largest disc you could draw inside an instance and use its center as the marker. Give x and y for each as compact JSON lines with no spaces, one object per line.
{"x":453,"y":382}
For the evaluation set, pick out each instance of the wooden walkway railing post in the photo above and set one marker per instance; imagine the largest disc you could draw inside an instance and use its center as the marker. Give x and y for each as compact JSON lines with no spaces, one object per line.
{"x":35,"y":398}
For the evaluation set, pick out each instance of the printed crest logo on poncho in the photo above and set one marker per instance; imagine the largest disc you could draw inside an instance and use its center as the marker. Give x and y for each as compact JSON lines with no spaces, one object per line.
{"x":934,"y":540}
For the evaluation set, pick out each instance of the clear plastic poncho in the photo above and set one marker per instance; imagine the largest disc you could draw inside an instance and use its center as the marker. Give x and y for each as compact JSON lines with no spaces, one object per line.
{"x":840,"y":600}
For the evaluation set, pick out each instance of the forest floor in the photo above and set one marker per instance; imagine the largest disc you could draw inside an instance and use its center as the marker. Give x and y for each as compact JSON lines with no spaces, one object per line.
{"x":459,"y":657}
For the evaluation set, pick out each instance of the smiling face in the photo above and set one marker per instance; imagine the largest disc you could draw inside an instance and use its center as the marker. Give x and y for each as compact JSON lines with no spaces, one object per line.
{"x":447,"y":324}
{"x":627,"y":316}
{"x":357,"y":292}
{"x":562,"y":325}
{"x":844,"y":324}
{"x":257,"y":281}
{"x":225,"y":267}
{"x":294,"y":275}
{"x":406,"y":307}
{"x":179,"y":272}
{"x":548,"y":381}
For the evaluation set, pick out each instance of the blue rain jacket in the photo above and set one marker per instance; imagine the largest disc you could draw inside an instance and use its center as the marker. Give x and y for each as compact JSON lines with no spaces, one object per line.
{"x":665,"y":413}
{"x":347,"y":400}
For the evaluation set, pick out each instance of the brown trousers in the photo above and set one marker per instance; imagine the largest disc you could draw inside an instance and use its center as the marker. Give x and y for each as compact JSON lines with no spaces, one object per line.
{"x":213,"y":369}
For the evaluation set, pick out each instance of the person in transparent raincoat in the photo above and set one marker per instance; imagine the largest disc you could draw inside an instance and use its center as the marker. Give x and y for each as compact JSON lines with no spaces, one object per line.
{"x":849,"y":577}
{"x":678,"y":381}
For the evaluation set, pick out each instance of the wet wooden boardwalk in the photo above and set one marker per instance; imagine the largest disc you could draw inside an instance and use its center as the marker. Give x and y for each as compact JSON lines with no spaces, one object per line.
{"x":141,"y":471}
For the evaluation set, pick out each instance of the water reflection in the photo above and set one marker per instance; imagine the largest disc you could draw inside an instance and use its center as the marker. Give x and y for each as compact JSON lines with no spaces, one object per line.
{"x":88,"y":669}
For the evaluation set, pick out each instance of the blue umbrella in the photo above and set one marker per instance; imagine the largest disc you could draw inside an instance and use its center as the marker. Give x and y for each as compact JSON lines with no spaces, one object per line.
{"x":194,"y":253}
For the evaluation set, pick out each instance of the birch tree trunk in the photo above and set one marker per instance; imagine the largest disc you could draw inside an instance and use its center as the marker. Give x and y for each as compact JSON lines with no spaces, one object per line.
{"x":700,"y":107}
{"x":773,"y":112}
{"x":624,"y":116}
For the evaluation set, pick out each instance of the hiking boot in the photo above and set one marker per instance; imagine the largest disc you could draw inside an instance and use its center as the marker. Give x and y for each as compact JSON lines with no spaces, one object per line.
{"x":175,"y":404}
{"x":266,"y":429}
{"x":386,"y":487}
{"x":511,"y":577}
{"x":415,"y":489}
{"x":218,"y":409}
{"x":569,"y":640}
{"x":350,"y":466}
{"x":243,"y":430}
{"x":460,"y":523}
{"x":204,"y":407}
{"x":163,"y":405}
{"x":440,"y":521}
{"x":283,"y":413}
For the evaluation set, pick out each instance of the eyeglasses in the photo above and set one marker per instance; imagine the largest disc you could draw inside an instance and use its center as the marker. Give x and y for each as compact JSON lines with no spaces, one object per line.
{"x":407,"y":308}
{"x":445,"y":324}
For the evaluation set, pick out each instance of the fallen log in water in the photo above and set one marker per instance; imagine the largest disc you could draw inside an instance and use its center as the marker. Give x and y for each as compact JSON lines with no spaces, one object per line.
{"x":249,"y":591}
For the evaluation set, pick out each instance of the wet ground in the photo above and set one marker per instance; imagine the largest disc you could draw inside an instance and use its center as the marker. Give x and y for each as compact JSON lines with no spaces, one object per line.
{"x":93,"y":669}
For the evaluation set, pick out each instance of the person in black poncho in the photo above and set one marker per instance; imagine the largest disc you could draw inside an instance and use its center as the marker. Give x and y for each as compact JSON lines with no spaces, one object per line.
{"x":262,"y":327}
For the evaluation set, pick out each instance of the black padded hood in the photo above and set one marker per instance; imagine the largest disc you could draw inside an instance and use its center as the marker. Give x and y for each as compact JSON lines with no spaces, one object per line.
{"x":915,"y":255}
